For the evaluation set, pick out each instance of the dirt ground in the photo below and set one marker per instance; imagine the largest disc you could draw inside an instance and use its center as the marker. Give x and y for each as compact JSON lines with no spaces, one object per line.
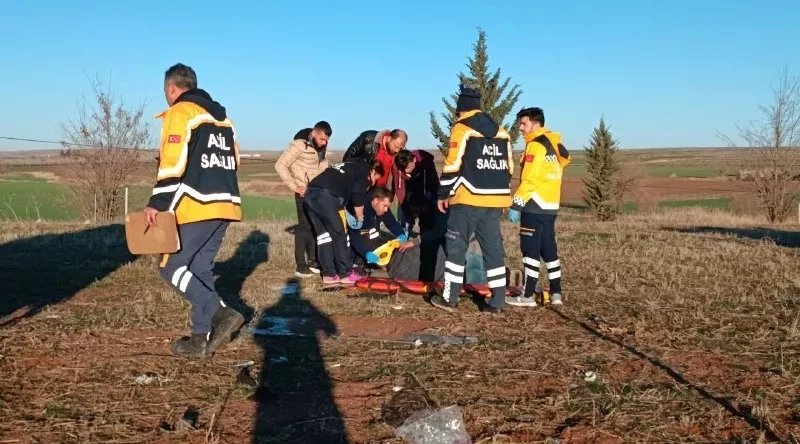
{"x":677,"y":327}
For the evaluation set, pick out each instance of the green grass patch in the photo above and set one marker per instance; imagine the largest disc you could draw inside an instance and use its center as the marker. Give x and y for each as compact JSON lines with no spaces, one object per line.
{"x":262,"y":207}
{"x":630,"y":207}
{"x":38,"y":199}
{"x":681,"y":171}
{"x":35,"y":199}
{"x":575,"y":170}
{"x":627,"y":207}
{"x":720,"y":203}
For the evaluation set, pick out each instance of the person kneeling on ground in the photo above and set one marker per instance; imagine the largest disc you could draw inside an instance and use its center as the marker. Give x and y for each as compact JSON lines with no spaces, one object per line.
{"x":325,"y":199}
{"x":367,"y":237}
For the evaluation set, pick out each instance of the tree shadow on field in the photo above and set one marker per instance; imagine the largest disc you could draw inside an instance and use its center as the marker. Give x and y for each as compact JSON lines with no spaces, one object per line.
{"x":250,"y":253}
{"x":51,"y":268}
{"x":789,"y":239}
{"x":757,"y":423}
{"x":295,"y":394}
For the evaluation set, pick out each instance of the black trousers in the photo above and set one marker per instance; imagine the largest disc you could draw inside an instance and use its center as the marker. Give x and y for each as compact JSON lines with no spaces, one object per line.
{"x":191,"y":270}
{"x":305,"y":251}
{"x":333,"y":248}
{"x":412,"y":266}
{"x":537,"y":239}
{"x":464,"y":221}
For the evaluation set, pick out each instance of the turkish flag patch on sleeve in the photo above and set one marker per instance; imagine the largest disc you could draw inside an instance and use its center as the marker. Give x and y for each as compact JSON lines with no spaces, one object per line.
{"x":453,"y":144}
{"x":174,"y":138}
{"x":529,"y":158}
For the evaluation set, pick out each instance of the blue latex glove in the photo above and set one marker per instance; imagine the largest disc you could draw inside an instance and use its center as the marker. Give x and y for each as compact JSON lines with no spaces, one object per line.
{"x":513,"y":215}
{"x":352,"y":222}
{"x":402,"y":238}
{"x":372,"y":258}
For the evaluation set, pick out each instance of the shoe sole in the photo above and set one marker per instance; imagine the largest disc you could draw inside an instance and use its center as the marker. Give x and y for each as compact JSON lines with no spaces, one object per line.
{"x":303,"y":275}
{"x":314,"y":270}
{"x":223,"y":336}
{"x":522,"y":304}
{"x":447,"y":308}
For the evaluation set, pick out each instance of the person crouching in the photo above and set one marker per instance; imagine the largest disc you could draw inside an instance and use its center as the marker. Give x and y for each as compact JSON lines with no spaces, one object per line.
{"x":325,"y":200}
{"x":366,"y":238}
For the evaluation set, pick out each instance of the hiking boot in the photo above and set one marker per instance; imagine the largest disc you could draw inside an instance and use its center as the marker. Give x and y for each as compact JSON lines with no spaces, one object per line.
{"x":225,"y":322}
{"x":555,"y":299}
{"x":350,"y":279}
{"x":521,"y":301}
{"x":304,"y":272}
{"x":438,"y":301}
{"x":194,"y":346}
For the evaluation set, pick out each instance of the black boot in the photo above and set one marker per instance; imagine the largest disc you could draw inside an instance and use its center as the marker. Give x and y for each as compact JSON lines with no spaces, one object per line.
{"x":438,"y":301}
{"x":225,"y":322}
{"x":194,"y":346}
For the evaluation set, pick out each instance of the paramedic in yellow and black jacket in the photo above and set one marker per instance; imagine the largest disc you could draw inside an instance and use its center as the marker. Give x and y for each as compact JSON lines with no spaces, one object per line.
{"x":537,"y":198}
{"x":475,"y":185}
{"x":197,"y":181}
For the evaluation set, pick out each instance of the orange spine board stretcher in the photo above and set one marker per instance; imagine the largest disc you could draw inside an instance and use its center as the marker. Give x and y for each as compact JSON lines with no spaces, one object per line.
{"x":389,"y":285}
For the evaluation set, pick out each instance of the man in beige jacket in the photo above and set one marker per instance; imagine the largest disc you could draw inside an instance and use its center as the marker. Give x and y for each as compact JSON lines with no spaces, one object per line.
{"x":303,"y":160}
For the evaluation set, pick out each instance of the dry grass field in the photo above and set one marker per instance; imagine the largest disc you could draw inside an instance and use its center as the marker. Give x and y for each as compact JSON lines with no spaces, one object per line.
{"x":33,"y":187}
{"x":690,"y":319}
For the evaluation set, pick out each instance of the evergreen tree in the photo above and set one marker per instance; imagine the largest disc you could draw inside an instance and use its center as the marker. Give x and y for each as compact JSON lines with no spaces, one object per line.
{"x":602,"y":166}
{"x":495,"y":101}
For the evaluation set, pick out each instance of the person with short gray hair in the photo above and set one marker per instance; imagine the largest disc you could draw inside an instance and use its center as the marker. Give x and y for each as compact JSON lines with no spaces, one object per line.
{"x":197,"y":182}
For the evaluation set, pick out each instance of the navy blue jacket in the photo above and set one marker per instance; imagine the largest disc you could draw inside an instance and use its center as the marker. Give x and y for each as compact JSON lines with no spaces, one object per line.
{"x":371,"y":229}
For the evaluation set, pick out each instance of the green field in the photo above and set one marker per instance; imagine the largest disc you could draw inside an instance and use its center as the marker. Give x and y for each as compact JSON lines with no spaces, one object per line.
{"x":681,"y":171}
{"x":720,"y":203}
{"x":578,"y":169}
{"x":26,"y":198}
{"x":29,"y":198}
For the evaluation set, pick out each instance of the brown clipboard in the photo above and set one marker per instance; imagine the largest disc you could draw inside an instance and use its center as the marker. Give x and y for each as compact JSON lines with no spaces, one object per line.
{"x":159,"y":239}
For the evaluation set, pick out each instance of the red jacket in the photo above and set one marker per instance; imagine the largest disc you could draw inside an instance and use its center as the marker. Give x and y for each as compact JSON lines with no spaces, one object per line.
{"x":387,"y":160}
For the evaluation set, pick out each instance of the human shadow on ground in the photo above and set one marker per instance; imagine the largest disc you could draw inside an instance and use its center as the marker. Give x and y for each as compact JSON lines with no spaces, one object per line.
{"x":51,"y":268}
{"x":251,"y":252}
{"x":295,"y":394}
{"x":789,"y":239}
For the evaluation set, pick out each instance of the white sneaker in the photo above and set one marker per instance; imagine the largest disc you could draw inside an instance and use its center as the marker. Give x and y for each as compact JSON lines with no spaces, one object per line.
{"x":521,"y":301}
{"x":555,"y":299}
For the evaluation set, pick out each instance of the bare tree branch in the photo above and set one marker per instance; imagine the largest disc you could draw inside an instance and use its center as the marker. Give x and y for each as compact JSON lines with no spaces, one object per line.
{"x":776,"y":141}
{"x":104,"y":143}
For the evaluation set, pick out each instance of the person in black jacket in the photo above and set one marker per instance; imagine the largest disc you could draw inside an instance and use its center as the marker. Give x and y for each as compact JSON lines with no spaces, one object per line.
{"x":381,"y":146}
{"x":365,"y":239}
{"x":325,"y":199}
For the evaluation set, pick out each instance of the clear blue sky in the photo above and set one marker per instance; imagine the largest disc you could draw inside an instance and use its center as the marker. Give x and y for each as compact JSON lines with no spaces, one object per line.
{"x":662,"y":73}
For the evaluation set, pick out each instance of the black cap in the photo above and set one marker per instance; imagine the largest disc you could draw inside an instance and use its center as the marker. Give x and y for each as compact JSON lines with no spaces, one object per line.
{"x":468,"y":100}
